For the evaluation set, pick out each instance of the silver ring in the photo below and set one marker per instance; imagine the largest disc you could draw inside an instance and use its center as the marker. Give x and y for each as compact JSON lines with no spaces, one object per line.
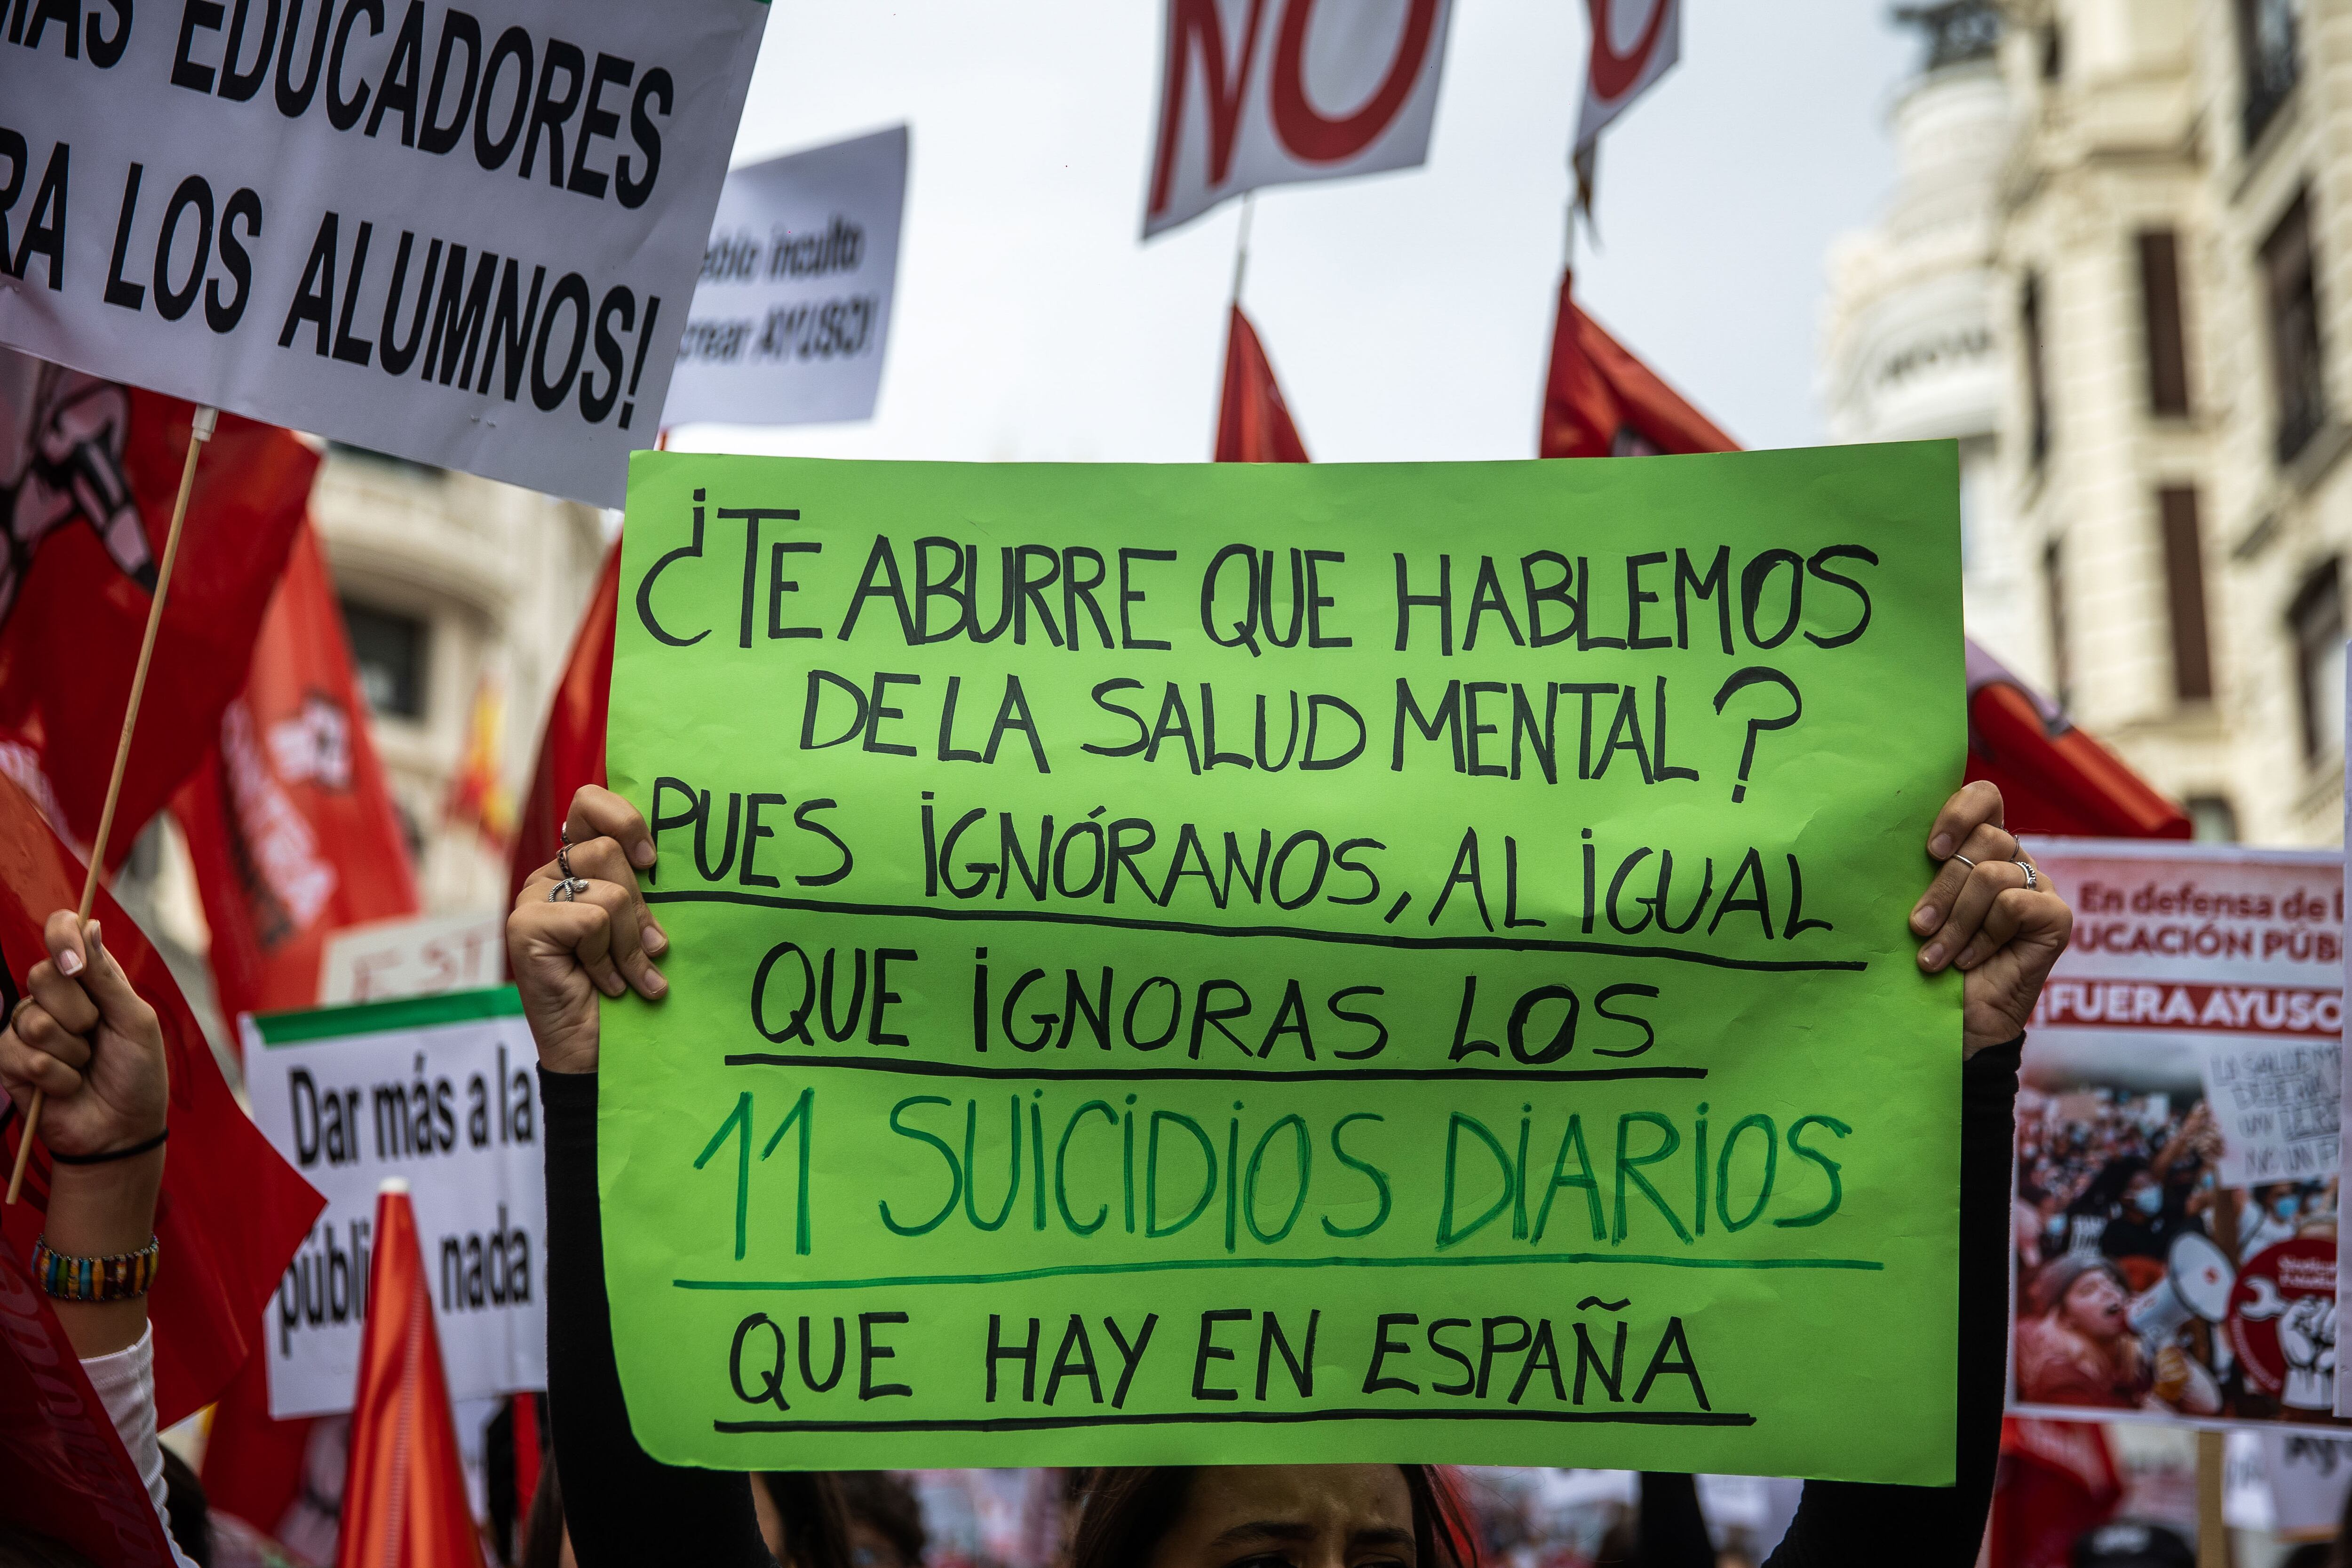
{"x":1964,"y":862}
{"x":563,"y":850}
{"x":2032,"y":878}
{"x":566,"y":891}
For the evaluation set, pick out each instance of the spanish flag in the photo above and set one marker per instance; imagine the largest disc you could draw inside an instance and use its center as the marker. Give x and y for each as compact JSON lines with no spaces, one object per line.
{"x":478,"y":791}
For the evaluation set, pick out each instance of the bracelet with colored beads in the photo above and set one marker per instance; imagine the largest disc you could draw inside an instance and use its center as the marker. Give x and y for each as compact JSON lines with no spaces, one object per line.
{"x":124,"y":1276}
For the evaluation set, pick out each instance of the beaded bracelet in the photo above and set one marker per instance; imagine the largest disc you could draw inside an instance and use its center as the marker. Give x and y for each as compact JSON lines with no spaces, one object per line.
{"x":124,"y":1276}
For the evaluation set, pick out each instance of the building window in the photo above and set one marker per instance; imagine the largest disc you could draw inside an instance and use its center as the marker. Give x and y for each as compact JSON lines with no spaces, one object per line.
{"x":2295,"y":368}
{"x":2316,"y":620}
{"x":2212,"y":819}
{"x":2266,"y":30}
{"x":2053,"y":593}
{"x":2184,"y":581}
{"x":2037,"y":379}
{"x":2159,"y":299}
{"x":388,"y":651}
{"x":2053,"y":52}
{"x":1958,"y":31}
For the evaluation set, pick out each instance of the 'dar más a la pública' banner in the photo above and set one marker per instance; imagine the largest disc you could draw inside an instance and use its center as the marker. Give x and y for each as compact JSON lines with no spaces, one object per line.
{"x":466,"y":235}
{"x":1264,"y":961}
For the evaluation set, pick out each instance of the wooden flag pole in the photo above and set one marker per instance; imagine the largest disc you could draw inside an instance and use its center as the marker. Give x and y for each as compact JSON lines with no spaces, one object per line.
{"x":1241,"y":243}
{"x":200,"y":430}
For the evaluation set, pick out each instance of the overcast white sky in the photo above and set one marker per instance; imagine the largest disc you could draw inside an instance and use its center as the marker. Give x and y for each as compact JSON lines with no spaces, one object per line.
{"x":1407,"y":314}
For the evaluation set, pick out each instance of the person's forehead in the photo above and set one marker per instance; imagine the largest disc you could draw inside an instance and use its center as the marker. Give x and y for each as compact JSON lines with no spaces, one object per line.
{"x":1307,"y":1493}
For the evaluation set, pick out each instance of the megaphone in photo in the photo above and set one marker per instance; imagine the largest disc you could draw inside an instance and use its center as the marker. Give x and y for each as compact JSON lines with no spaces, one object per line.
{"x":2197,"y":1284}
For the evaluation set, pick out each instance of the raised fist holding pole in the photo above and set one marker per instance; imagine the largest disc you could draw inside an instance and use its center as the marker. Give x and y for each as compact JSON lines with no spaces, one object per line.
{"x":200,"y":430}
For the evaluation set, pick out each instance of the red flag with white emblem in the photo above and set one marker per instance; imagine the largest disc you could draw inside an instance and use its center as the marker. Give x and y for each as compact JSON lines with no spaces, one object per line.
{"x":89,"y":470}
{"x":289,"y":823}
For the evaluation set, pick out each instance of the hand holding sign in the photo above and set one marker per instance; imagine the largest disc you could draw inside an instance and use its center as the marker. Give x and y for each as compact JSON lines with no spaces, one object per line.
{"x":564,"y":951}
{"x":1985,"y":916}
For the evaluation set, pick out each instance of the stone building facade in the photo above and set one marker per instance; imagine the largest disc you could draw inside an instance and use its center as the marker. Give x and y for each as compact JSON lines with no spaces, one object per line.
{"x":2167,"y":260}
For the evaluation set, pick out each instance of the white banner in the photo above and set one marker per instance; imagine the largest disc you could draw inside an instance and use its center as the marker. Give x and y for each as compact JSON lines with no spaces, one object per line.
{"x":2288,"y":1483}
{"x":414,"y":955}
{"x":1270,"y":92}
{"x":441,"y":1091}
{"x":1635,"y":42}
{"x":466,"y":236}
{"x":2278,"y":1109}
{"x":793,"y":310}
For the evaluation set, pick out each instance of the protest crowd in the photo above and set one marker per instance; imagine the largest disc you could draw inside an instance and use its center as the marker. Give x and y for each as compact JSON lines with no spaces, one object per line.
{"x":349,"y":1222}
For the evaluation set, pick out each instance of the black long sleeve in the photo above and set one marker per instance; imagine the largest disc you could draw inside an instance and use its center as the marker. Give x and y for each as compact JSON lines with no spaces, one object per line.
{"x":623,"y":1506}
{"x":1670,"y":1530}
{"x":1844,"y":1524}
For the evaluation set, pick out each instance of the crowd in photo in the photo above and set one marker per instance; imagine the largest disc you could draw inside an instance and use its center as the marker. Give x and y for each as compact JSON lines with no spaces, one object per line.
{"x":2108,"y":1184}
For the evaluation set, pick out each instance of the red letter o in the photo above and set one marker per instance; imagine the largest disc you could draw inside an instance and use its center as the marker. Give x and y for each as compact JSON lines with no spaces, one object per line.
{"x":1305,"y":130}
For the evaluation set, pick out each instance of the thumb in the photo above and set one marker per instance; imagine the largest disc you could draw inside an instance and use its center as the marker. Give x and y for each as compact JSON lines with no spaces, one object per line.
{"x":108,"y":986}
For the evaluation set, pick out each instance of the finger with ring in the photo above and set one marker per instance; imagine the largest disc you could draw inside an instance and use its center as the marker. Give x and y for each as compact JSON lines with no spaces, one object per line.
{"x":1967,"y":911}
{"x":603,"y":859}
{"x":1985,"y":843}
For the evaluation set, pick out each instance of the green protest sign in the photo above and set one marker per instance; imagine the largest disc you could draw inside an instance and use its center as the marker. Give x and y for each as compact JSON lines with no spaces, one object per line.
{"x":1263,"y":962}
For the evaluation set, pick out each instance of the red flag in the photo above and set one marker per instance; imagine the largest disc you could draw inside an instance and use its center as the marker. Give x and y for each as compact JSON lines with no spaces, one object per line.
{"x":527,"y":1457}
{"x":2053,"y":777}
{"x":290,"y":823}
{"x":404,"y":1494}
{"x":2057,"y":1479}
{"x":89,"y":470}
{"x":69,"y":1476}
{"x":1602,"y":402}
{"x":253,"y":1465}
{"x":233,"y":1210}
{"x":571,"y":747}
{"x":1253,"y":424}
